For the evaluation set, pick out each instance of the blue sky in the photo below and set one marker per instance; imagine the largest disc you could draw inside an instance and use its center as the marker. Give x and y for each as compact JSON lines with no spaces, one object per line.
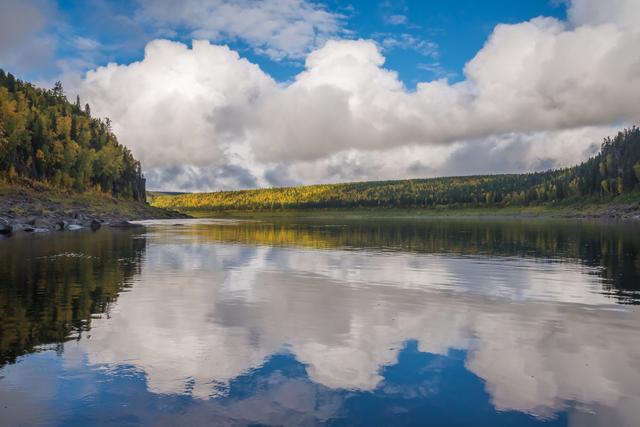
{"x":454,"y":30}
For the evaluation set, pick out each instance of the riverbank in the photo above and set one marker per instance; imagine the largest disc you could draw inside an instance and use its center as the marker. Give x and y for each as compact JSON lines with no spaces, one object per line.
{"x":39,"y":209}
{"x":623,"y":209}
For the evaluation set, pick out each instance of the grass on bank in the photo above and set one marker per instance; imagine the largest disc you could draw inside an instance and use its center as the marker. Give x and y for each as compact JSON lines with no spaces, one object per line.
{"x":584,"y":208}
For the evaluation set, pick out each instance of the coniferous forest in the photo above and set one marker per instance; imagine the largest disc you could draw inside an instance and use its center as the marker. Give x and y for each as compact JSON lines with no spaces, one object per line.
{"x":614,"y":171}
{"x":47,"y":139}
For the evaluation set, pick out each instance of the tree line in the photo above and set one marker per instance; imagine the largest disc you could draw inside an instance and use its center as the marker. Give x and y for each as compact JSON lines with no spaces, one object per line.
{"x":613,"y":171}
{"x":47,"y":139}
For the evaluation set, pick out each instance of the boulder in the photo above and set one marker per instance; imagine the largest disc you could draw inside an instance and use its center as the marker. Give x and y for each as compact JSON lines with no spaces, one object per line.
{"x":5,"y":227}
{"x":43,"y":223}
{"x":21,"y":226}
{"x":95,"y":225}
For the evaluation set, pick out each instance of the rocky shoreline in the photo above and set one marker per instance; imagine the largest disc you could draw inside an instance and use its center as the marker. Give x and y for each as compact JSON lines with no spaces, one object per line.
{"x":617,"y":212}
{"x":26,"y":211}
{"x":76,"y":221}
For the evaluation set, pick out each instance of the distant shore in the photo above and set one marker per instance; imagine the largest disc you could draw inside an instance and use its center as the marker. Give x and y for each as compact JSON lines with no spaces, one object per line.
{"x":37,"y":210}
{"x":629,"y":211}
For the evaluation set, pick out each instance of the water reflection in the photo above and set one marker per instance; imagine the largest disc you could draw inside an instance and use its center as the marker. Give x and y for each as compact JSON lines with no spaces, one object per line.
{"x":612,"y":248}
{"x":52,"y":286}
{"x":314,"y":323}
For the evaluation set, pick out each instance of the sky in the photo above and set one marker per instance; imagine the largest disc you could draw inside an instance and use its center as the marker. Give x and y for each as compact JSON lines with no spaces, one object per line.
{"x":221,"y":94}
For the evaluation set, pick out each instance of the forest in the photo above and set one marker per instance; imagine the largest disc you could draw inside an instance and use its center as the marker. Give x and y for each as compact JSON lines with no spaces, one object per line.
{"x":613,"y":171}
{"x":46,"y":139}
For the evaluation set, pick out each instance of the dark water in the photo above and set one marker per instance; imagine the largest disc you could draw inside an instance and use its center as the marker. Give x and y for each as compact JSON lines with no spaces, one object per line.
{"x":450,"y":323}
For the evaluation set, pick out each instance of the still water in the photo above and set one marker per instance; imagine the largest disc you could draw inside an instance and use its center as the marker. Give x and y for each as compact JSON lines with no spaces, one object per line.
{"x":361,"y":323}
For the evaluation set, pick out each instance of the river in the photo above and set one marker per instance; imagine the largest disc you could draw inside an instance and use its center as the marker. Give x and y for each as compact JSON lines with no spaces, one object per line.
{"x":323,"y":322}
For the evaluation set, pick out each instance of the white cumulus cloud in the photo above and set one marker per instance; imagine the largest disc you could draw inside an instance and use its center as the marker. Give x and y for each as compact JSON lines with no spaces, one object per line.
{"x":534,"y":86}
{"x":168,"y":107}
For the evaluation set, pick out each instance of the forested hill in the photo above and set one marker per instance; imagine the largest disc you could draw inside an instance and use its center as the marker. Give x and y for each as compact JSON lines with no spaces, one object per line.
{"x":44,"y":138}
{"x":614,"y":171}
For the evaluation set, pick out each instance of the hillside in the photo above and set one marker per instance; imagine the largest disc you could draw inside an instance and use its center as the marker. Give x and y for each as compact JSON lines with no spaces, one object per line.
{"x":48,"y":140}
{"x":60,"y":168}
{"x":615,"y":171}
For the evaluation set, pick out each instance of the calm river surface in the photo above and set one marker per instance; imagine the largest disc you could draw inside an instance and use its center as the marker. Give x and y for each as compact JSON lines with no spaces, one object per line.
{"x":361,"y":323}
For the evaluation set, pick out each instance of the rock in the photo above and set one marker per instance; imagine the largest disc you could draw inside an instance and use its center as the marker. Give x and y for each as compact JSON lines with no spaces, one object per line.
{"x":62,"y":225}
{"x":74,"y":227}
{"x":5,"y":227}
{"x":125,"y":224}
{"x":20,"y":226}
{"x":43,"y":223}
{"x":95,"y":225}
{"x":36,"y":222}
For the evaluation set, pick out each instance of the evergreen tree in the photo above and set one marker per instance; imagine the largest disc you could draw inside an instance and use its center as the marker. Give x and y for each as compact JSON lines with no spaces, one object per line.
{"x":45,"y":138}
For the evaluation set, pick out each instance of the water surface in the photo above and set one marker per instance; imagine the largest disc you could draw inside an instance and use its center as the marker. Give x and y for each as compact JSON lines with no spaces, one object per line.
{"x":221,"y":322}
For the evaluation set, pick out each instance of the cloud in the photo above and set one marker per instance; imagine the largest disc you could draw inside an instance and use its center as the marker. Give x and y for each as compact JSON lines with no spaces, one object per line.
{"x":516,"y":152}
{"x":394,"y":12}
{"x":406,"y":41}
{"x":193,"y":178}
{"x":170,"y":107}
{"x":85,"y":43}
{"x":532,"y":83}
{"x":437,"y":69}
{"x":24,"y":44}
{"x":508,"y":153}
{"x":534,"y":76}
{"x":622,"y":13}
{"x":277,"y":28}
{"x":396,"y":19}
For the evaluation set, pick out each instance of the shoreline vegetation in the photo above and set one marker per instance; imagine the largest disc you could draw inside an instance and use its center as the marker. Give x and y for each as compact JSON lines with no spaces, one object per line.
{"x":621,"y":209}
